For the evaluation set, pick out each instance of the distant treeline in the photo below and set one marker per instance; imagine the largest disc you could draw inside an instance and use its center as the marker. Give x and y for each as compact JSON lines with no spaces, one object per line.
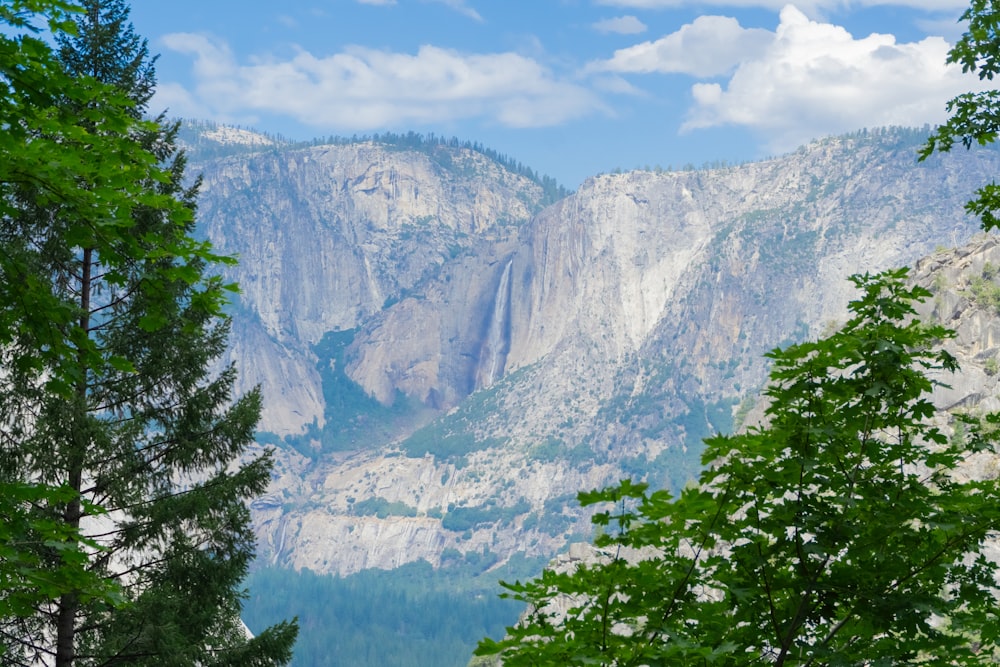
{"x":201,"y":149}
{"x":552,"y":190}
{"x":892,"y":136}
{"x":198,"y":147}
{"x":412,"y":616}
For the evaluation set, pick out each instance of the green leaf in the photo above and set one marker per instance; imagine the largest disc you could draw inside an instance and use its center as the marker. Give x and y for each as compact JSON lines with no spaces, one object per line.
{"x":811,"y":540}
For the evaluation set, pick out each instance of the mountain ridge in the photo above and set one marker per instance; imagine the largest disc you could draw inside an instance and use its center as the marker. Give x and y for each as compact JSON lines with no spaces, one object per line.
{"x":492,"y":356}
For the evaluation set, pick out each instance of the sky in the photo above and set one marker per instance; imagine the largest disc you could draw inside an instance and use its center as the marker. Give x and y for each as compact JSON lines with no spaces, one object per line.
{"x":570,"y":88}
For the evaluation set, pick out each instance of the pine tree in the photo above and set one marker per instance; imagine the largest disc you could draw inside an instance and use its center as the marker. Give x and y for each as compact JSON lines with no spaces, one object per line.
{"x":129,"y":416}
{"x":46,"y":155}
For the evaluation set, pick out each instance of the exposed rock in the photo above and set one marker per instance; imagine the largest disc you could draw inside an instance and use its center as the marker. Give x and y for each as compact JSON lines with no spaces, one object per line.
{"x":543,"y":352}
{"x":327,"y":235}
{"x":967,"y":300}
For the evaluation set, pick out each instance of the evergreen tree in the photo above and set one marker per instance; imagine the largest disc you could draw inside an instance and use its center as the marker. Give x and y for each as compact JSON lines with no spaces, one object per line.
{"x":845,"y":531}
{"x":115,"y":399}
{"x":45,"y":150}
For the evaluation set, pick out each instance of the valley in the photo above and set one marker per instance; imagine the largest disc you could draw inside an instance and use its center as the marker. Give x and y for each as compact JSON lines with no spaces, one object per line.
{"x":449,"y":353}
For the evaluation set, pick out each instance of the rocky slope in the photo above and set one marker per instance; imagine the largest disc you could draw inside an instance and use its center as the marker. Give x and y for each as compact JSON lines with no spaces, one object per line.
{"x":328,"y":235}
{"x":965,"y":283}
{"x":446,"y":362}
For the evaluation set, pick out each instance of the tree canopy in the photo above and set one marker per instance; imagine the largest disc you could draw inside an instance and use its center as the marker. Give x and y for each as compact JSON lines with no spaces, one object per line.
{"x":44,"y":149}
{"x":974,"y":119}
{"x":125,"y":453}
{"x":848,"y":529}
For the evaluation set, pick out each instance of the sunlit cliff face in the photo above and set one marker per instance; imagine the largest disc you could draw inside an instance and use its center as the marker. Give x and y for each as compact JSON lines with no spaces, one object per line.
{"x":501,"y":356}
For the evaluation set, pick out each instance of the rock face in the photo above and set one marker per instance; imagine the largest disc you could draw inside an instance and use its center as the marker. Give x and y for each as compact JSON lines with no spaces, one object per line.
{"x":966,"y":285}
{"x":446,"y":361}
{"x":328,"y":235}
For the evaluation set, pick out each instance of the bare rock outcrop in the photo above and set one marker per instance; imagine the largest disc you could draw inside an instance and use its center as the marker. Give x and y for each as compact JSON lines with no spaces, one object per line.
{"x":497,"y":356}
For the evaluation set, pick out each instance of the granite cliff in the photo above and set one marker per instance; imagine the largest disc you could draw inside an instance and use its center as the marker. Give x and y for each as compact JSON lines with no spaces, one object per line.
{"x":965,"y":287}
{"x":447,"y":360}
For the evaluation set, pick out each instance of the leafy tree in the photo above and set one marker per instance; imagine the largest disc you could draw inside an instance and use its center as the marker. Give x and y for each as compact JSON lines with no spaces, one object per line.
{"x":43,"y":147}
{"x":974,"y":116}
{"x":845,"y":531}
{"x":123,"y":443}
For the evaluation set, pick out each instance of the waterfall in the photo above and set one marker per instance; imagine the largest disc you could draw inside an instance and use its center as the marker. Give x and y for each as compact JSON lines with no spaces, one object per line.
{"x":493,"y":354}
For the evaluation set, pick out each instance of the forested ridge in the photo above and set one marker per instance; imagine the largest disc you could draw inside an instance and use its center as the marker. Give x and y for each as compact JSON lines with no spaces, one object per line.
{"x":438,"y":148}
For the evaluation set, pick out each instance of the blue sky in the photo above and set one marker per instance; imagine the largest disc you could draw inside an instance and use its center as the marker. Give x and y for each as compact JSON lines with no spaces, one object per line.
{"x":571,"y":88}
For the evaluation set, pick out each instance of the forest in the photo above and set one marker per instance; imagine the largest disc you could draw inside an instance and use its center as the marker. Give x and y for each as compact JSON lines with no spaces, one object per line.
{"x":412,"y":616}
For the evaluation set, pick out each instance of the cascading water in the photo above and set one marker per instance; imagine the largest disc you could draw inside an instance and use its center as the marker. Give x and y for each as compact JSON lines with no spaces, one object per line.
{"x":493,"y":354}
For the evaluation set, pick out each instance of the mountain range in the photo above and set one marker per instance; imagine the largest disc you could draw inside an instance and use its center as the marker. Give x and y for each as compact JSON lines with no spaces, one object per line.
{"x":451,"y":347}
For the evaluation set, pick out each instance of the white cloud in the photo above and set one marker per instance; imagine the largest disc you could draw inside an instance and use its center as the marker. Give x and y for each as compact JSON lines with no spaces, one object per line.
{"x":173,"y":98}
{"x":949,"y":28}
{"x":810,"y":6}
{"x":462,"y":8}
{"x":710,"y":46}
{"x":617,"y":85}
{"x":365,"y":89}
{"x":623,"y":25}
{"x":816,"y":79}
{"x":377,"y":2}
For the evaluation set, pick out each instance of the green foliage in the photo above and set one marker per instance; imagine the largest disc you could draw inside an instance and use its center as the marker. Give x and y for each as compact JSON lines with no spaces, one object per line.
{"x":353,"y":419}
{"x":411,"y":616}
{"x":548,"y":450}
{"x":555,"y":519}
{"x":341,"y":394}
{"x":382,"y":508}
{"x":974,"y":119}
{"x":743,"y":411}
{"x":985,"y":292}
{"x":430,"y":440}
{"x":672,"y":469}
{"x":695,"y":423}
{"x":126,"y":529}
{"x":555,"y":449}
{"x":839,"y":534}
{"x":455,"y":435}
{"x":461,"y":519}
{"x":991,"y":366}
{"x":45,"y":149}
{"x":27,"y":578}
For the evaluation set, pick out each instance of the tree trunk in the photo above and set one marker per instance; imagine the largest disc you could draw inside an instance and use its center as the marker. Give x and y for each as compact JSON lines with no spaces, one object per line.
{"x":69,"y":603}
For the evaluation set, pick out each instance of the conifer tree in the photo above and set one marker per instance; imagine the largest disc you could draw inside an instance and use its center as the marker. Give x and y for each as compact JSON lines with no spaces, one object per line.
{"x":115,"y":400}
{"x":47,"y":155}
